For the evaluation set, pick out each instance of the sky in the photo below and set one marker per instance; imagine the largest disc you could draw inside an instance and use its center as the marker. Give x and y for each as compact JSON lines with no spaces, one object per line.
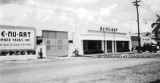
{"x":72,"y":14}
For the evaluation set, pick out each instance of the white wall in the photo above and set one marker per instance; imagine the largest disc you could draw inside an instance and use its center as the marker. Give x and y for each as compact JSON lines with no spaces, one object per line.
{"x":97,"y":35}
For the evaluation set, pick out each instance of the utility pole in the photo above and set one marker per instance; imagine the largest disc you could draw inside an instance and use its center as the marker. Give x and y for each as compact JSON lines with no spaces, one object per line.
{"x":136,"y":4}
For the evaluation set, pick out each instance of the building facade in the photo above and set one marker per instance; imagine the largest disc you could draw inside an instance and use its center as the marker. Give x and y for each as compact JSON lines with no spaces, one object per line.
{"x":23,"y":40}
{"x":95,"y":41}
{"x":87,"y":41}
{"x":56,"y":43}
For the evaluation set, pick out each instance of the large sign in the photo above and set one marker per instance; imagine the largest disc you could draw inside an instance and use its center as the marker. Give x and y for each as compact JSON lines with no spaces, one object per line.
{"x":145,"y":40}
{"x":17,"y":38}
{"x":108,"y":29}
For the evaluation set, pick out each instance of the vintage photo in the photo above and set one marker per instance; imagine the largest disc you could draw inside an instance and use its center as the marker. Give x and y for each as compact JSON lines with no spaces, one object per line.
{"x":79,"y":41}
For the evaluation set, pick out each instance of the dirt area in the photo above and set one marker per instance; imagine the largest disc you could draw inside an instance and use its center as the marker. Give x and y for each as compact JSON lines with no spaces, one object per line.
{"x":146,"y":73}
{"x":83,"y":70}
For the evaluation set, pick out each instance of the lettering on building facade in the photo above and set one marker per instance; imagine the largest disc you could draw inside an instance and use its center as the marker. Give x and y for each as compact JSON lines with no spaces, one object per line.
{"x":17,"y":39}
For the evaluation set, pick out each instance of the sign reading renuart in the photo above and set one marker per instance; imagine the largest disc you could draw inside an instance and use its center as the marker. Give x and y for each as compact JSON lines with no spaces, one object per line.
{"x":15,"y":38}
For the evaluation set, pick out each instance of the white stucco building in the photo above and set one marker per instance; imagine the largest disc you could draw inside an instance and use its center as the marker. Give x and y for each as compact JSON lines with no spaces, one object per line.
{"x":89,"y":41}
{"x":85,"y":40}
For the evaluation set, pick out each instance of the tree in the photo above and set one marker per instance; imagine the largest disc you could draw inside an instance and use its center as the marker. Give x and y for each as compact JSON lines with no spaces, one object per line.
{"x":156,"y":27}
{"x":157,"y":21}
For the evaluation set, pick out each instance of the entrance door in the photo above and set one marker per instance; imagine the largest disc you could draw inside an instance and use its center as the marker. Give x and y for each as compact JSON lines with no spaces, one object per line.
{"x":109,"y":46}
{"x":56,"y":43}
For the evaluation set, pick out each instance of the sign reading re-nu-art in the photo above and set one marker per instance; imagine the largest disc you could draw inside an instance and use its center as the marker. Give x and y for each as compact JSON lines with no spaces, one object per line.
{"x":17,"y":37}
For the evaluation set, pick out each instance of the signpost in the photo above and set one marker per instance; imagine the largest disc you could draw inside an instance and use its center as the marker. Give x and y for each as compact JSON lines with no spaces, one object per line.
{"x":17,"y":38}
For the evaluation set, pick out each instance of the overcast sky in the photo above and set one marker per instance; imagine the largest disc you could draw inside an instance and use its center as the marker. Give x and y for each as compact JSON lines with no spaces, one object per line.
{"x":71,"y":14}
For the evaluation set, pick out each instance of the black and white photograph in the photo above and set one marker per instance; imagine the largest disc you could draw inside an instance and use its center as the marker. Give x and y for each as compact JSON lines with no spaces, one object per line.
{"x":79,"y":41}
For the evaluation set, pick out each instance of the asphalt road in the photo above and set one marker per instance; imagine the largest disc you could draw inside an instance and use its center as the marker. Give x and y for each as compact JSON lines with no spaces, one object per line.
{"x":61,"y":70}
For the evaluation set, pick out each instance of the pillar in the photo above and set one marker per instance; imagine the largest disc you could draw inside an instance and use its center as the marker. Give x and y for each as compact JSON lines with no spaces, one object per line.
{"x":102,"y":43}
{"x":130,"y":46}
{"x":112,"y":46}
{"x":80,"y":47}
{"x":106,"y":46}
{"x":115,"y":46}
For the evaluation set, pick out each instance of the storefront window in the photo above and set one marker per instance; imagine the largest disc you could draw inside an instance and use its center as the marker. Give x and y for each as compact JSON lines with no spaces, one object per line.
{"x":109,"y":46}
{"x":92,"y":46}
{"x":122,"y":46}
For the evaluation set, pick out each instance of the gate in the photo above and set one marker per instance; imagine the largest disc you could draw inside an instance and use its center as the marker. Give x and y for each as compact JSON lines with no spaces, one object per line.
{"x":56,"y":43}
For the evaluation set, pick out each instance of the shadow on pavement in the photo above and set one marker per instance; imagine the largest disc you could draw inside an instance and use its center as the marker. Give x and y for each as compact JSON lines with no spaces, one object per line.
{"x":157,"y":81}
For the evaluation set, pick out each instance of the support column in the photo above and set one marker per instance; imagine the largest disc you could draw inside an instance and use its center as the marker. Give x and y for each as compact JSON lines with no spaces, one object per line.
{"x":102,"y":47}
{"x":112,"y":46}
{"x":106,"y":46}
{"x":115,"y":46}
{"x":130,"y":46}
{"x":81,"y":48}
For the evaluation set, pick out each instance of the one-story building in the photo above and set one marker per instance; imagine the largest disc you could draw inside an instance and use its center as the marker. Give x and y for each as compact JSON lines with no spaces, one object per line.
{"x":87,"y":41}
{"x":24,"y":40}
{"x":97,"y":41}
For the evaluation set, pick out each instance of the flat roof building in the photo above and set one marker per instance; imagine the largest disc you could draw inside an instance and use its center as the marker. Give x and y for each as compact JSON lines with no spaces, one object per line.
{"x":85,"y":40}
{"x":97,"y":41}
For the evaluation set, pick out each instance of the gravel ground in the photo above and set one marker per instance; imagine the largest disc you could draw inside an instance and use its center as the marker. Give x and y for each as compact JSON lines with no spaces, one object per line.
{"x":146,"y":73}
